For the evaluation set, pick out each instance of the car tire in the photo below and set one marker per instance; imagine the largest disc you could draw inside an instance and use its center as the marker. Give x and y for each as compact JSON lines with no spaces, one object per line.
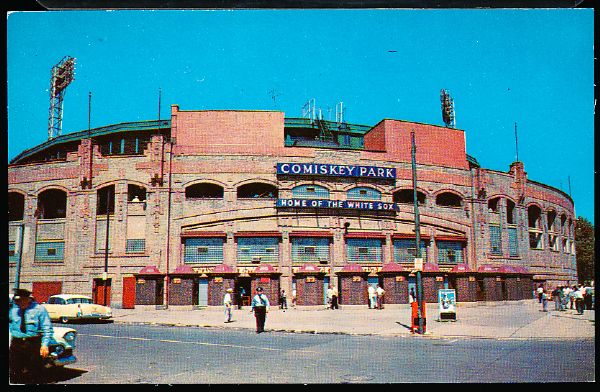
{"x":64,"y":320}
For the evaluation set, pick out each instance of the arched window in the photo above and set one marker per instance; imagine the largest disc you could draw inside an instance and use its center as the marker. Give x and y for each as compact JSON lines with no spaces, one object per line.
{"x":136,"y":193}
{"x":494,"y":205}
{"x":448,"y":199}
{"x":363,"y":193}
{"x":257,"y":190}
{"x":16,"y":206}
{"x":534,"y":216}
{"x":405,"y":196}
{"x":563,"y":224}
{"x":52,"y":204}
{"x":551,"y":215}
{"x":310,"y":192}
{"x":204,"y":190}
{"x":511,"y":217}
{"x":105,"y":200}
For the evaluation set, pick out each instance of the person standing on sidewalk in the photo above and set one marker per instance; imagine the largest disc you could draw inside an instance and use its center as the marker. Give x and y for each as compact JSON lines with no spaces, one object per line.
{"x":555,"y":298}
{"x":587,"y":296}
{"x":334,"y":298}
{"x":380,"y":293}
{"x":30,"y":332}
{"x":372,"y":297}
{"x":329,"y":297}
{"x":260,"y":307}
{"x":544,"y":301}
{"x":579,"y":299}
{"x":283,"y":300}
{"x":228,"y":304}
{"x":540,"y":291}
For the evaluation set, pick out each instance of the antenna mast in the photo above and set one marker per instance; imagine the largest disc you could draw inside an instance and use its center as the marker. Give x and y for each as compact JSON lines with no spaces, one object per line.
{"x":448,"y":114}
{"x":62,"y":75}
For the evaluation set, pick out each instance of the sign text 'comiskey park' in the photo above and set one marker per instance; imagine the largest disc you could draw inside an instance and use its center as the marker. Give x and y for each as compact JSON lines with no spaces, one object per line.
{"x":346,"y":204}
{"x":336,"y":170}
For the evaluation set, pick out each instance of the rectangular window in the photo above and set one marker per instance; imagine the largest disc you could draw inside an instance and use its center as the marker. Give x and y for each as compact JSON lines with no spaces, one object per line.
{"x":258,"y":249}
{"x":513,"y":243}
{"x":405,"y":251}
{"x":49,"y":251}
{"x":203,"y":250}
{"x":136,"y":246}
{"x":450,"y":252}
{"x":364,"y":250}
{"x":310,"y":249}
{"x":495,"y":240}
{"x":13,"y":256}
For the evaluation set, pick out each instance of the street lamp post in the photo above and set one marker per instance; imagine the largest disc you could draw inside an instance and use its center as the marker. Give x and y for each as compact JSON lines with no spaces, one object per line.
{"x":417,"y":232}
{"x":105,"y":274}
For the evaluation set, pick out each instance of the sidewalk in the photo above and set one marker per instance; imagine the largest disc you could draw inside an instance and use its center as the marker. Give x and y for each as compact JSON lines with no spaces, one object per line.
{"x":501,"y":320}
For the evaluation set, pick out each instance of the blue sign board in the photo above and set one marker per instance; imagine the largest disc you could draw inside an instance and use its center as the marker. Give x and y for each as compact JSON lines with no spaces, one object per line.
{"x":319,"y":169}
{"x":346,"y":204}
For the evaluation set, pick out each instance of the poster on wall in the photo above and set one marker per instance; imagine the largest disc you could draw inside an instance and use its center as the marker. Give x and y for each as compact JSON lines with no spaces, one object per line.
{"x":447,"y":304}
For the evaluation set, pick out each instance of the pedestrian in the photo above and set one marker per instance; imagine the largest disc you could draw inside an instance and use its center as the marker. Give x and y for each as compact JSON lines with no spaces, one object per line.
{"x":572,"y":295}
{"x":587,"y":296}
{"x":30,"y":331}
{"x":334,"y":298}
{"x":540,"y":291}
{"x":241,"y":294}
{"x":544,"y":301}
{"x":412,"y":296}
{"x":556,"y":298}
{"x":372,"y":297}
{"x":293,"y":297}
{"x":283,"y":300}
{"x":260,"y":307}
{"x":329,"y":297}
{"x":566,"y":296}
{"x":228,"y":304}
{"x":579,"y":299}
{"x":380,"y":293}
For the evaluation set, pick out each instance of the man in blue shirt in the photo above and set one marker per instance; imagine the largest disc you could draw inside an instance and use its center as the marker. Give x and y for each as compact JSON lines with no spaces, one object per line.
{"x":31,"y":331}
{"x":260,"y":307}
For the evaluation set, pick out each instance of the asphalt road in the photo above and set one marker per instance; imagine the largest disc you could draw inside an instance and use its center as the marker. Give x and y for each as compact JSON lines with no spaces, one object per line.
{"x":129,"y":353}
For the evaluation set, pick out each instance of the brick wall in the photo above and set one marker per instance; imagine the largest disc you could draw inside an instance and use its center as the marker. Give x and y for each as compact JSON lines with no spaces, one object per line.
{"x":270,"y":288}
{"x":309,"y":293}
{"x":396,"y":292}
{"x":465,"y":291}
{"x":353,"y":293}
{"x":181,"y":293}
{"x":145,"y":293}
{"x":492,"y":289}
{"x":216,"y":290}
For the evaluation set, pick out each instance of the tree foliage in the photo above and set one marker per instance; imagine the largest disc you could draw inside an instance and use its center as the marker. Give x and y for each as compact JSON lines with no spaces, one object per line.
{"x":584,"y":246}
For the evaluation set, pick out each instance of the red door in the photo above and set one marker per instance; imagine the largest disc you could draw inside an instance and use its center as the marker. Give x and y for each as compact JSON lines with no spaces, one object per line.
{"x":129,"y":292}
{"x":101,"y":292}
{"x":43,"y":290}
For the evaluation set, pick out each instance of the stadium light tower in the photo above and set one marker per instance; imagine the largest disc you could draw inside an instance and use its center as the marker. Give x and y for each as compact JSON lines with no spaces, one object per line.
{"x":63,"y":74}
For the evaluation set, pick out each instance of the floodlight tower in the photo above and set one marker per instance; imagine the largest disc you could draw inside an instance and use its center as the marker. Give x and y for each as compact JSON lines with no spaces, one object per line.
{"x":447,"y":109}
{"x":62,"y":74}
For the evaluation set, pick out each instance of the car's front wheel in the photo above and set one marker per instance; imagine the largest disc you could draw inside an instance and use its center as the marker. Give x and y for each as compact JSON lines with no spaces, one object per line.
{"x":64,"y":320}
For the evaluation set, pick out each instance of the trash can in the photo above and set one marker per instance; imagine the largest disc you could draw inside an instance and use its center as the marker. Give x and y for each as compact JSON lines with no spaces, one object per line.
{"x":415,"y":317}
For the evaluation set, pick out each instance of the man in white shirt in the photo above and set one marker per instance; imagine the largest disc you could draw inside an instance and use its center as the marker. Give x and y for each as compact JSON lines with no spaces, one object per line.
{"x":372,"y":296}
{"x":380,"y":292}
{"x":329,"y":297}
{"x":228,"y":303}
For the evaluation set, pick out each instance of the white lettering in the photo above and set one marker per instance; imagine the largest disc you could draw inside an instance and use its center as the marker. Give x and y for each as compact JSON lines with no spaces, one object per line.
{"x":285,"y":168}
{"x":350,"y":170}
{"x":323,"y":169}
{"x":296,"y":169}
{"x":362,"y":171}
{"x":371,"y":172}
{"x":390,"y":173}
{"x":307,"y":169}
{"x":380,"y":172}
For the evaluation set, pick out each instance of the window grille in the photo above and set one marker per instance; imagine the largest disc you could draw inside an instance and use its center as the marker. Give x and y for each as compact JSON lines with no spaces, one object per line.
{"x":363,"y":193}
{"x":495,"y":240}
{"x":306,"y":249}
{"x":49,"y":251}
{"x":258,"y":249}
{"x":136,"y":246}
{"x":450,"y":252}
{"x":405,"y":251}
{"x":364,"y":250}
{"x":310,"y":192}
{"x":513,"y":242}
{"x":203,"y":250}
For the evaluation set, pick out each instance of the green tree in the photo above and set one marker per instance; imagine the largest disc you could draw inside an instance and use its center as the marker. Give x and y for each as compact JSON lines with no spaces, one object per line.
{"x":584,"y":246}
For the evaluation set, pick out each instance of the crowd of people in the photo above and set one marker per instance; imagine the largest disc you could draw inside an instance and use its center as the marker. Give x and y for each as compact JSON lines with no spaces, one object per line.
{"x":578,"y":297}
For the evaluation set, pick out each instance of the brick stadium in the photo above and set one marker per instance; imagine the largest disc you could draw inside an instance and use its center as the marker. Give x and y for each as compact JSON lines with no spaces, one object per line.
{"x":207,"y":200}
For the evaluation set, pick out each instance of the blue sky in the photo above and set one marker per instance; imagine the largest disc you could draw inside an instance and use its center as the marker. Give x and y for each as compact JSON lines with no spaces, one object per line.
{"x":533,"y":67}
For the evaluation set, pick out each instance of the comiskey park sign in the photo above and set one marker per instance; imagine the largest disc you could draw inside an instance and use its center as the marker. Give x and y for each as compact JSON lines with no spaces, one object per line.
{"x":321,"y":169}
{"x":345,"y":204}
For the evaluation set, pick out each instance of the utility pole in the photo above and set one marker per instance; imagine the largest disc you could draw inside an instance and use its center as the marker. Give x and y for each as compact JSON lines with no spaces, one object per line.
{"x":105,"y":274}
{"x":417,"y":232}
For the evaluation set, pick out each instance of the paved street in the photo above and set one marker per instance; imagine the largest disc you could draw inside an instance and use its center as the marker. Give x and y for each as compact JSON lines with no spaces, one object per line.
{"x":157,"y":354}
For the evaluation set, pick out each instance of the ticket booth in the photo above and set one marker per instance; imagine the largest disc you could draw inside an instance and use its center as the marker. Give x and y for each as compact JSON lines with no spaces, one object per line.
{"x":149,"y":287}
{"x":395,"y":283}
{"x":309,"y":285}
{"x":353,"y":285}
{"x":221,"y":278}
{"x":267,"y":277}
{"x":182,"y":286}
{"x":465,"y":283}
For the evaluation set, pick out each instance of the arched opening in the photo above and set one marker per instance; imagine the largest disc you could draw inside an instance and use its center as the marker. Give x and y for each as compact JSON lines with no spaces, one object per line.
{"x":551,"y":220}
{"x":257,"y":190}
{"x":136,"y":193}
{"x":16,"y":206}
{"x":105,"y":200}
{"x":510,"y":212}
{"x":405,"y":196}
{"x":494,"y":205}
{"x":534,"y":215}
{"x":52,"y":204}
{"x":204,"y":190}
{"x":448,"y":199}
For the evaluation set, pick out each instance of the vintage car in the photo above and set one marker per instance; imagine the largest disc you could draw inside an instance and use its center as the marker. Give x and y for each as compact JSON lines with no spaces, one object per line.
{"x":61,"y":346}
{"x":70,"y":307}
